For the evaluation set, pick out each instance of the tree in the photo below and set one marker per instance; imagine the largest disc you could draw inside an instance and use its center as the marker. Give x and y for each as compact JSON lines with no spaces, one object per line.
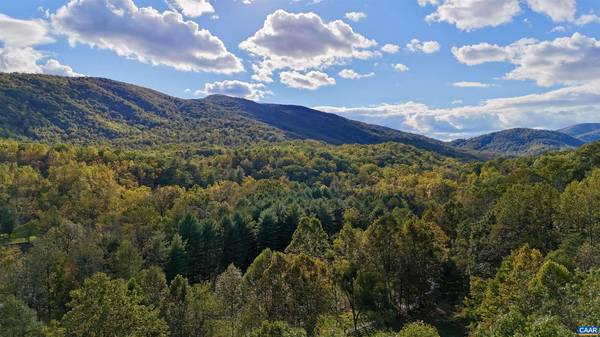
{"x":408,"y":254}
{"x":349,"y":273}
{"x":525,"y":214}
{"x":585,"y":307}
{"x":48,"y":278}
{"x":548,"y":327}
{"x":508,"y":290}
{"x":202,"y":311}
{"x":579,"y":214}
{"x":548,"y":286}
{"x":176,"y":265}
{"x":153,"y":286}
{"x":174,"y":307}
{"x":277,"y":329}
{"x":7,"y":221}
{"x":190,"y":310}
{"x":18,"y":320}
{"x":309,"y":238}
{"x":106,"y":308}
{"x":228,"y":289}
{"x":418,"y":329}
{"x":126,"y":260}
{"x":292,"y":288}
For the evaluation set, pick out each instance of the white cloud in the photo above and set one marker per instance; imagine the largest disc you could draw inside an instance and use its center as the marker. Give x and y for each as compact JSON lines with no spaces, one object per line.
{"x":480,"y":53}
{"x":550,"y":110}
{"x":469,"y":15}
{"x":390,"y":48}
{"x":144,"y":34}
{"x":567,"y":60}
{"x":427,"y":47}
{"x":353,"y":75}
{"x":474,"y":14}
{"x":303,"y":42}
{"x":457,"y":101}
{"x":400,"y":67}
{"x":29,"y":60}
{"x":18,"y":54}
{"x":424,"y":3}
{"x":20,"y":60}
{"x":191,"y":8}
{"x":53,"y":67}
{"x":587,"y":19}
{"x":558,"y":29}
{"x":15,"y":33}
{"x":355,"y":16}
{"x":253,"y":91}
{"x":309,"y":81}
{"x":467,"y":84}
{"x":558,"y":10}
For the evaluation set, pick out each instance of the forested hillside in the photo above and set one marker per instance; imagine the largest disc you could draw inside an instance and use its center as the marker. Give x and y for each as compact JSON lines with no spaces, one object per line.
{"x":520,"y":142}
{"x":97,"y":111}
{"x":586,"y":132}
{"x":296,"y":239}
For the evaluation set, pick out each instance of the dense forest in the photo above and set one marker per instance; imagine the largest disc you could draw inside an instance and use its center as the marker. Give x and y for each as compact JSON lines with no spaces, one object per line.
{"x":296,"y":239}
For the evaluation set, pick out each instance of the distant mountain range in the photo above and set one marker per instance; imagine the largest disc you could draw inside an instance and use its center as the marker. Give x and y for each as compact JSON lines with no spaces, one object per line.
{"x":588,"y":132}
{"x":100,"y":111}
{"x":88,"y":110}
{"x":529,"y":142}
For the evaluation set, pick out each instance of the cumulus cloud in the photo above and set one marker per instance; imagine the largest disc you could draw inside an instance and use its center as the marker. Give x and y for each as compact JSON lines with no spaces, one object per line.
{"x":18,"y":55}
{"x":253,"y":91}
{"x":390,"y":48}
{"x":473,"y":14}
{"x":20,"y":60}
{"x":353,"y":75}
{"x":355,"y":16}
{"x":309,"y":81}
{"x":400,"y":67}
{"x":191,"y":8}
{"x":144,"y":34}
{"x":53,"y":67}
{"x":467,"y":84}
{"x":587,"y":19}
{"x":550,"y":110}
{"x":427,"y":47}
{"x":29,"y":60}
{"x":469,"y":15}
{"x":567,"y":60}
{"x":15,"y":33}
{"x":558,"y":10}
{"x":303,"y":42}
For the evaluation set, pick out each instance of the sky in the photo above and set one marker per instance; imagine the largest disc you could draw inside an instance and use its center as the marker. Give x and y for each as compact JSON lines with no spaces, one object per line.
{"x":443,"y":68}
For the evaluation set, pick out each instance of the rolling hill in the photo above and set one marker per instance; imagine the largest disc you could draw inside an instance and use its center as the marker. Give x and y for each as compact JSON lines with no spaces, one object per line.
{"x":587,"y":132}
{"x":89,"y":110}
{"x":518,"y":142}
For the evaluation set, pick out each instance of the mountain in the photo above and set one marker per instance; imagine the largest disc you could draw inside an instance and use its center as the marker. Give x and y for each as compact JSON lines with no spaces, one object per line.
{"x":518,"y":142}
{"x":587,"y":132}
{"x":88,"y":110}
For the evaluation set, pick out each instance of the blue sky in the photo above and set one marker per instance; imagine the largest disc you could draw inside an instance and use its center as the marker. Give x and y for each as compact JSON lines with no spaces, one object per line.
{"x":444,"y":68}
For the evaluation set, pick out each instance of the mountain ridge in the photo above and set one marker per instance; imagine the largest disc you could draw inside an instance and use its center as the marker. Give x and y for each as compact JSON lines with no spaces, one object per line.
{"x":518,"y":142}
{"x":91,"y":110}
{"x":586,"y":132}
